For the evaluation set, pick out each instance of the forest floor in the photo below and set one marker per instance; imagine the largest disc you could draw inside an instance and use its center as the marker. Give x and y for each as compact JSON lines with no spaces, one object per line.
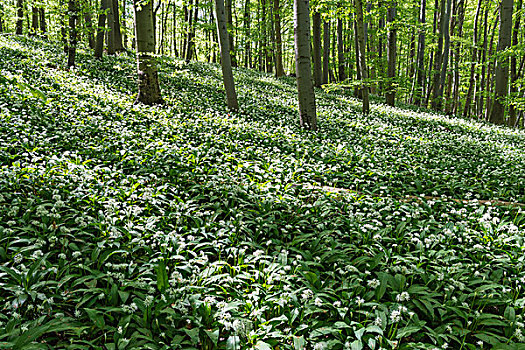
{"x":185,"y":226}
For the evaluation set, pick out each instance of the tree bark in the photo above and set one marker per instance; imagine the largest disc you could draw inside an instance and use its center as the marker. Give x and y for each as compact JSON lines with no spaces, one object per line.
{"x":110,"y":36}
{"x":34,"y":21}
{"x":340,"y":51}
{"x":305,"y":90}
{"x":362,"y":57}
{"x":191,"y":33}
{"x":72,"y":45}
{"x":19,"y":17}
{"x":419,"y":90}
{"x":279,"y":69}
{"x":497,"y":115}
{"x":468,"y":98}
{"x":115,"y":27}
{"x":224,"y":43}
{"x":229,"y":25}
{"x":148,"y":81}
{"x":326,"y":50}
{"x":391,"y":53}
{"x":513,"y":66}
{"x":89,"y":29}
{"x":316,"y":30}
{"x":247,"y":35}
{"x":99,"y":44}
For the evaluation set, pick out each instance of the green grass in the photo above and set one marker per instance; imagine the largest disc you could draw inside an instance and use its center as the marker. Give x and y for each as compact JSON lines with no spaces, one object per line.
{"x":185,"y":226}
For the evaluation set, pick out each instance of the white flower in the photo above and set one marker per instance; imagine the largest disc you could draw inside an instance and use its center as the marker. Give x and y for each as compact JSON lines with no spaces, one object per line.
{"x":374,"y":283}
{"x":318,"y":302}
{"x":403,"y":297}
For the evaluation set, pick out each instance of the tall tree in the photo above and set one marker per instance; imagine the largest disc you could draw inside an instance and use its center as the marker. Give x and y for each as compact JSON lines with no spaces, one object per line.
{"x":226,"y":63}
{"x":326,"y":50}
{"x":418,"y":91}
{"x":34,"y":21}
{"x":362,"y":56}
{"x":279,"y":69}
{"x":497,"y":115}
{"x":229,"y":25}
{"x":42,"y":14}
{"x":72,"y":45}
{"x":470,"y":92}
{"x":514,"y":64}
{"x":340,"y":50}
{"x":115,"y":26}
{"x":148,"y":81}
{"x":391,"y":53}
{"x":305,"y":90}
{"x":99,"y":44}
{"x":316,"y":32}
{"x":19,"y":17}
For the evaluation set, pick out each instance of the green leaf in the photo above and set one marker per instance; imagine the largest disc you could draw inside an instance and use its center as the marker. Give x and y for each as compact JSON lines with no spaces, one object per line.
{"x":162,"y":276}
{"x":263,"y":346}
{"x":96,"y":317}
{"x":510,"y":314}
{"x":406,"y":331}
{"x":233,"y":342}
{"x":299,"y":343}
{"x":213,"y":335}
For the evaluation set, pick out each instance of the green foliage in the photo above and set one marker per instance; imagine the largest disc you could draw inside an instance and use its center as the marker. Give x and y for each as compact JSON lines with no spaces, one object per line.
{"x":184,"y":226}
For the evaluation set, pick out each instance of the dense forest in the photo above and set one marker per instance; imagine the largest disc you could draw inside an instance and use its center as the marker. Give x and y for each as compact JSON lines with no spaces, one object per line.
{"x":458,"y":57}
{"x":259,"y":174}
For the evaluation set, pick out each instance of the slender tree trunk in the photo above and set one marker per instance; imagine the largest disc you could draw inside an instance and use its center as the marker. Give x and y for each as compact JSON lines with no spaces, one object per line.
{"x":358,"y":91}
{"x":229,"y":18}
{"x":316,"y":30}
{"x":34,"y":21}
{"x":305,"y":90}
{"x":480,"y":77}
{"x":191,"y":33}
{"x":224,"y":43}
{"x":445,"y":58}
{"x":110,"y":36}
{"x":279,"y":69}
{"x":148,"y":81}
{"x":468,"y":99}
{"x":419,"y":90}
{"x":490,"y":74}
{"x":1,"y":18}
{"x":19,"y":17}
{"x":391,"y":53}
{"x":457,"y":81}
{"x":362,"y":57}
{"x":497,"y":115}
{"x":89,"y":29}
{"x":340,"y":51}
{"x":326,"y":50}
{"x":513,"y":65}
{"x":115,"y":28}
{"x":247,"y":35}
{"x":72,"y":46}
{"x":380,"y":51}
{"x":99,"y":45}
{"x":124,"y":25}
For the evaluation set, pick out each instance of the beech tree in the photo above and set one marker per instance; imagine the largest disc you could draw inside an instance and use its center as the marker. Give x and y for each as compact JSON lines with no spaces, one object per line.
{"x":497,"y":115}
{"x":305,"y":90}
{"x":226,"y":63}
{"x":148,"y":81}
{"x":363,"y":70}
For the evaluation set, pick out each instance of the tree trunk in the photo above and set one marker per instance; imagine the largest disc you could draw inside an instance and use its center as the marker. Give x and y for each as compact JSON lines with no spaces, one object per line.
{"x":326,"y":50}
{"x":391,"y":53}
{"x":72,"y":46}
{"x":34,"y":21}
{"x":115,"y":28}
{"x":279,"y":69}
{"x":438,"y":59}
{"x":99,"y":44}
{"x":513,"y":66}
{"x":148,"y":81}
{"x":340,"y":51}
{"x":110,"y":36}
{"x":483,"y":58}
{"x":124,"y":26}
{"x":418,"y":91}
{"x":457,"y":81}
{"x":191,"y":33}
{"x":305,"y":90}
{"x":224,"y":43}
{"x":468,"y":99}
{"x":19,"y":17}
{"x":316,"y":30}
{"x":229,"y":24}
{"x":445,"y":58}
{"x":497,"y":115}
{"x":362,"y":57}
{"x":89,"y":29}
{"x":247,"y":35}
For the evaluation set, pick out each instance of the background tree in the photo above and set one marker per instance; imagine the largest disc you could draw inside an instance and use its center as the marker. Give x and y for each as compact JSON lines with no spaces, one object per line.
{"x":305,"y":90}
{"x":148,"y":81}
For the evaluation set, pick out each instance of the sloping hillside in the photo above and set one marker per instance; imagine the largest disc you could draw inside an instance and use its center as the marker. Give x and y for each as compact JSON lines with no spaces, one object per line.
{"x":185,"y":226}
